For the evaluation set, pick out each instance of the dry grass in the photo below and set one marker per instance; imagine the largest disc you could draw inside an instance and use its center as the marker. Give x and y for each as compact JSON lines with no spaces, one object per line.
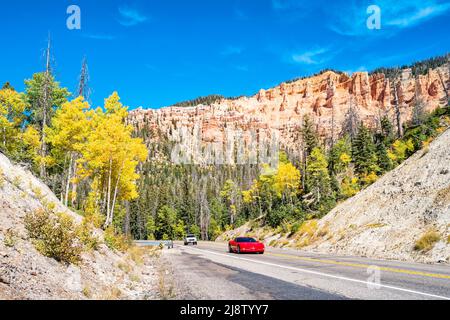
{"x":308,"y":228}
{"x":427,"y":241}
{"x":302,"y":243}
{"x":166,"y":286}
{"x":113,"y":293}
{"x":87,"y":292}
{"x":375,"y":225}
{"x":448,"y":239}
{"x":136,"y":254}
{"x":10,"y":239}
{"x":2,"y":179}
{"x":125,"y":267}
{"x":135,"y":278}
{"x":443,"y":197}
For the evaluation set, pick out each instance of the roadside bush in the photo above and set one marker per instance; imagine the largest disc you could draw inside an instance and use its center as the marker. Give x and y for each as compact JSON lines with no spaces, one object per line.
{"x":54,"y":236}
{"x":116,"y":241}
{"x":276,"y":217}
{"x":427,"y":241}
{"x":85,"y":232}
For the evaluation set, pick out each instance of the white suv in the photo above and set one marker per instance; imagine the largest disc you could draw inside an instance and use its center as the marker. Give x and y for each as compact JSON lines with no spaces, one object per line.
{"x":190,"y":238}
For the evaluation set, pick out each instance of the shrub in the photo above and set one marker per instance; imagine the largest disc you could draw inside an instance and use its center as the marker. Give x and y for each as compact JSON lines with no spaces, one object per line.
{"x":116,"y":241}
{"x":427,"y":241}
{"x":37,"y":193}
{"x":17,"y":181}
{"x":10,"y":238}
{"x":54,"y":236}
{"x":308,"y":228}
{"x":277,"y":216}
{"x":2,"y":179}
{"x":85,"y":232}
{"x":295,"y":227}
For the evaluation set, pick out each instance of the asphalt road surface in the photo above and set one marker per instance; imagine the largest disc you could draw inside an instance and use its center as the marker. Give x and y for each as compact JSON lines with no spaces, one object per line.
{"x":208,"y":271}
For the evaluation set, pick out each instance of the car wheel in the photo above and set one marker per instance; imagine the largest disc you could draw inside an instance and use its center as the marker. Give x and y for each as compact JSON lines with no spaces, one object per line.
{"x":230,"y":250}
{"x":238,"y":250}
{"x":185,"y":244}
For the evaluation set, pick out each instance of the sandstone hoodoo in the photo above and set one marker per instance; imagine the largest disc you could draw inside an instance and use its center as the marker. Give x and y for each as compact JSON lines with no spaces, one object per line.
{"x":327,"y":99}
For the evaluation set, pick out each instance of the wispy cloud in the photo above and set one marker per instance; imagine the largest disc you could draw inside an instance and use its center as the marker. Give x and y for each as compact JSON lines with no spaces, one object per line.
{"x":130,"y":16}
{"x":419,"y":14}
{"x":350,"y":20}
{"x":315,"y":56}
{"x":98,"y":36}
{"x":231,"y":50}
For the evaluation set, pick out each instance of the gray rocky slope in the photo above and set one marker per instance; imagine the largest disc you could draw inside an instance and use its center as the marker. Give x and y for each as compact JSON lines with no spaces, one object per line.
{"x":26,"y":274}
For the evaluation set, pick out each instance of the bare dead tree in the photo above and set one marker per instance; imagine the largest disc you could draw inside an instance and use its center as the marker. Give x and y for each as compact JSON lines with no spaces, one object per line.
{"x":396,"y":83}
{"x":46,"y":104}
{"x":418,"y":111}
{"x":330,"y":94}
{"x":83,"y":89}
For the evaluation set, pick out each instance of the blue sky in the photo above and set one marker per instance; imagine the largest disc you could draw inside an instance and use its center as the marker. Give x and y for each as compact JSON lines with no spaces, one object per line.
{"x":158,"y":52}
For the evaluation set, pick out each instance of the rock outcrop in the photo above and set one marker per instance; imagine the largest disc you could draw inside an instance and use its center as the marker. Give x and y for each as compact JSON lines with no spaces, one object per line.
{"x":325,"y":98}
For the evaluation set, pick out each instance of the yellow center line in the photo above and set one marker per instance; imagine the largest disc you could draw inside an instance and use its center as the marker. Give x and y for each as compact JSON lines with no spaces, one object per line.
{"x":365,"y":266}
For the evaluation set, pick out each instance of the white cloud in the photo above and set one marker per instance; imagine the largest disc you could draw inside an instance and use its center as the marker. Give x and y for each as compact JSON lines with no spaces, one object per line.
{"x":350,"y":20}
{"x":130,"y":16}
{"x":316,"y":56}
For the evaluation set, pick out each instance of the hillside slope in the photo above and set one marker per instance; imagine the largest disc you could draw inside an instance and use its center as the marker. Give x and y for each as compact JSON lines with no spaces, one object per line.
{"x":383,"y":221}
{"x":26,"y":274}
{"x":386,"y":219}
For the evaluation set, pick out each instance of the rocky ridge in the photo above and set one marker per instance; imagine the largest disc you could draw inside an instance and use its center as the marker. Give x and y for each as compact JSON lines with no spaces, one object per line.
{"x":325,"y":98}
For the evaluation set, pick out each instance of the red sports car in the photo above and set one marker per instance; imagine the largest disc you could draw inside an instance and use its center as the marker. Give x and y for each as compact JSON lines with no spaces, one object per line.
{"x":245,"y":245}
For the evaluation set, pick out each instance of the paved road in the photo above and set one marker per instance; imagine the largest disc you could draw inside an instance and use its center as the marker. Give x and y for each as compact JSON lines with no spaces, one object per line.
{"x":213,"y":273}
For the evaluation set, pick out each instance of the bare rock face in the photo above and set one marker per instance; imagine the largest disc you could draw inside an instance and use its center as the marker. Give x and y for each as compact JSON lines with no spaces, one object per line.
{"x":323,"y":98}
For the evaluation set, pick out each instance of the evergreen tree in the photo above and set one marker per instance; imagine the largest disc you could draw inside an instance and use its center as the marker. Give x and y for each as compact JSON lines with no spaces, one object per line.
{"x":384,"y":162}
{"x":309,"y":135}
{"x":364,"y":152}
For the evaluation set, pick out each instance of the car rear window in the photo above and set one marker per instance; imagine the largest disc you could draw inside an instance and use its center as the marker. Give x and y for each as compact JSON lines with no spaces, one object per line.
{"x":245,"y":240}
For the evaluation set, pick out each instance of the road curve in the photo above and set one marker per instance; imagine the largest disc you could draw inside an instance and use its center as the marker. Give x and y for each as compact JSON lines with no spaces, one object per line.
{"x":295,"y":275}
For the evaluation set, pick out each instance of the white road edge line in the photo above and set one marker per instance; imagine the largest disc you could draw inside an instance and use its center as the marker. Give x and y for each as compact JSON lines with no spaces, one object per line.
{"x":320,"y":273}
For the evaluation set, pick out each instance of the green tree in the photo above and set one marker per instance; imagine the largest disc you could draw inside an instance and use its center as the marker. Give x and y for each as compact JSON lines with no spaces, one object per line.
{"x":340,"y":155}
{"x":318,"y":178}
{"x":35,"y":91}
{"x":364,"y":152}
{"x":309,"y":135}
{"x":166,"y":222}
{"x":384,"y":162}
